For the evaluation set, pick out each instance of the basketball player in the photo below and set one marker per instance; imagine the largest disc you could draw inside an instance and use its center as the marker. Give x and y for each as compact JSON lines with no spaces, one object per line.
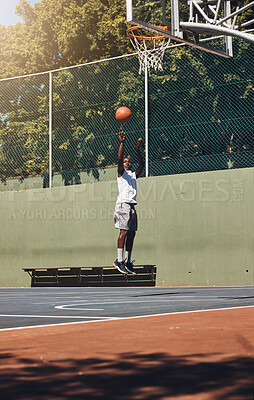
{"x":125,"y":216}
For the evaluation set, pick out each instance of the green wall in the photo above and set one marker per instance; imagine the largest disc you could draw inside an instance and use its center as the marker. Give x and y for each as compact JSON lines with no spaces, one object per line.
{"x":197,"y":228}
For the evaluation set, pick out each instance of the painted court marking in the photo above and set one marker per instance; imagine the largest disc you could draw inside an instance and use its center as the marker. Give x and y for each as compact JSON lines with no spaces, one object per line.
{"x":112,"y":302}
{"x":47,"y":316}
{"x":109,"y":319}
{"x":47,"y":305}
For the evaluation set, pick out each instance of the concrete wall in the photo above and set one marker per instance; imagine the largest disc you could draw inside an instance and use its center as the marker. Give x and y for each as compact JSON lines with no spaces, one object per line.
{"x":37,"y":181}
{"x":197,"y":228}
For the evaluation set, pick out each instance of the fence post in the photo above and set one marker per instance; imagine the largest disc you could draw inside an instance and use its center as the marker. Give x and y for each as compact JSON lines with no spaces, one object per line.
{"x":146,"y":121}
{"x":50,"y":129}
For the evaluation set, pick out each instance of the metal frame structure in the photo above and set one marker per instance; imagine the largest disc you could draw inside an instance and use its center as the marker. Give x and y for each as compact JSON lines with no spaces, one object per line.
{"x":206,"y":17}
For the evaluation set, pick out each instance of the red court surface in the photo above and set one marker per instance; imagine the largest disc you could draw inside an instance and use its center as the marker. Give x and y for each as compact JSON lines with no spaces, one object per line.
{"x":203,"y":355}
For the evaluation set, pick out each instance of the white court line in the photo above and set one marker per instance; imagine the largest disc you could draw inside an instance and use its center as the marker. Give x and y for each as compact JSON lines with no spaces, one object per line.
{"x":108,"y":319}
{"x":74,"y":307}
{"x":49,"y":316}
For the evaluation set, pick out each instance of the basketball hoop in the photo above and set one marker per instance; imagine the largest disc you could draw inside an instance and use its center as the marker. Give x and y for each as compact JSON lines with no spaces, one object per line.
{"x":150,"y":49}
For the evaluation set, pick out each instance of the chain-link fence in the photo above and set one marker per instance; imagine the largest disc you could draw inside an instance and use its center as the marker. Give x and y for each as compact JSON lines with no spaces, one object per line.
{"x":24,"y":132}
{"x":59,"y":128}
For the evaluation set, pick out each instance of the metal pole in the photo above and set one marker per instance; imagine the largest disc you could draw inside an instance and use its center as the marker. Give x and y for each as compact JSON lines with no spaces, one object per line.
{"x":228,"y":39}
{"x":146,"y":120}
{"x":217,"y":11}
{"x":237,"y":12}
{"x":50,"y":129}
{"x":175,"y":19}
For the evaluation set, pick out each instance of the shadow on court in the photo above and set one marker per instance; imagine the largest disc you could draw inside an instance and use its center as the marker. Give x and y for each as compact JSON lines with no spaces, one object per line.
{"x":151,"y":376}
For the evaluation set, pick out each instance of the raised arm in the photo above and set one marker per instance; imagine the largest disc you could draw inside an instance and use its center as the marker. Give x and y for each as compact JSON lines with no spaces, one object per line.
{"x":120,"y":168}
{"x":141,"y":163}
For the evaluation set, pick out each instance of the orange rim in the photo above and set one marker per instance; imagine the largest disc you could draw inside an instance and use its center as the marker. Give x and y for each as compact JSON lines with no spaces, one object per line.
{"x":131,"y":33}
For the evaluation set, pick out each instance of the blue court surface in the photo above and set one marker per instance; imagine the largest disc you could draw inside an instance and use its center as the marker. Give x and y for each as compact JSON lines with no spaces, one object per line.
{"x":30,"y":307}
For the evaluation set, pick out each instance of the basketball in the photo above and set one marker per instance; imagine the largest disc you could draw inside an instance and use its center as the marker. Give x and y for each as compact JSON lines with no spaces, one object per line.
{"x":123,"y":115}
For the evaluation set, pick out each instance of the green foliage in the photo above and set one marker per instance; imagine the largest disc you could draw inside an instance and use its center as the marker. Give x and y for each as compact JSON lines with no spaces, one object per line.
{"x":24,"y":127}
{"x":200,"y":106}
{"x":85,"y":101}
{"x":201,"y":114}
{"x":60,"y":33}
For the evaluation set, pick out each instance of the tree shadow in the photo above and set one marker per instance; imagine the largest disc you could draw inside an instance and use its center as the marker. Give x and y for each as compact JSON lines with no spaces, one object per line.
{"x":127,"y":376}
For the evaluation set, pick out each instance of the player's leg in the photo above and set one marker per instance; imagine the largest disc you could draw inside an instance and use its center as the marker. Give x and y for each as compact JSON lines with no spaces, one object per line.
{"x":130,"y":240}
{"x":129,"y":244}
{"x":121,"y":217}
{"x":120,"y":243}
{"x":119,"y":262}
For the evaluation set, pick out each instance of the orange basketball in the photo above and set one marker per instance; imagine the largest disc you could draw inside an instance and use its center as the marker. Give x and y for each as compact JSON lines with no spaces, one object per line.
{"x":123,"y":115}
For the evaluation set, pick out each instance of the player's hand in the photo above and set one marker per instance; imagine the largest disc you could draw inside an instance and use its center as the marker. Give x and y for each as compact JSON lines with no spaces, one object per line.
{"x":139,"y":143}
{"x":122,"y":136}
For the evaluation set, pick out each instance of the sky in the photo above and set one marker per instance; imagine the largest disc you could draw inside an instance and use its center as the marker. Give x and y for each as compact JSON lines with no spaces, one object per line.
{"x":7,"y":14}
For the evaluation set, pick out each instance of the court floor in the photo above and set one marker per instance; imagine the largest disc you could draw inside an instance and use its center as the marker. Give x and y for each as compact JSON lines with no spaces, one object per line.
{"x":30,"y":307}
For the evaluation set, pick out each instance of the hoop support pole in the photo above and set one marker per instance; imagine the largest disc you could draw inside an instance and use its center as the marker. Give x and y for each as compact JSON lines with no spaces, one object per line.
{"x":50,"y":129}
{"x":146,"y":121}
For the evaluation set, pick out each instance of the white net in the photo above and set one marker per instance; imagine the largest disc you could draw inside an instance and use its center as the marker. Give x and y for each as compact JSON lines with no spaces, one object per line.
{"x":150,"y":52}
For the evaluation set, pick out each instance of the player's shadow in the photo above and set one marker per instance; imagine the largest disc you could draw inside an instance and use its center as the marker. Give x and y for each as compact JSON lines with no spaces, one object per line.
{"x":131,"y":376}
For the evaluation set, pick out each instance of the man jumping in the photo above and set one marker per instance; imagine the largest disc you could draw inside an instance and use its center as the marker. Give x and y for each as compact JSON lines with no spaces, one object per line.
{"x":125,"y":216}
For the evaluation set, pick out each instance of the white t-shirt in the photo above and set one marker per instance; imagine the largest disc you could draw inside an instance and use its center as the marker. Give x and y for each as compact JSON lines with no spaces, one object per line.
{"x":127,"y":187}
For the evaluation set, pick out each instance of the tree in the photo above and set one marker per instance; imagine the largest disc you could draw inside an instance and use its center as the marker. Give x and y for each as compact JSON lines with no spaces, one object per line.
{"x":60,"y":33}
{"x":188,"y":116}
{"x":84,"y":128}
{"x":24,"y":127}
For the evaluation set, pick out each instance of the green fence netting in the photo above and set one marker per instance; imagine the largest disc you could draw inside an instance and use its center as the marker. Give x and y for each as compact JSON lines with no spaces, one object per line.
{"x":85,"y":141}
{"x":24,"y":131}
{"x":200,"y":113}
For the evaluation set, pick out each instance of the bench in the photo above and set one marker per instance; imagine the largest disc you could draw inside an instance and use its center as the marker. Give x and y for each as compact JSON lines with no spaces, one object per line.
{"x":91,"y":276}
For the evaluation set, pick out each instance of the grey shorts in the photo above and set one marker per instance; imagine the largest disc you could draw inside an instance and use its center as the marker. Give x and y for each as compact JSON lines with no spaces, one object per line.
{"x":125,"y":217}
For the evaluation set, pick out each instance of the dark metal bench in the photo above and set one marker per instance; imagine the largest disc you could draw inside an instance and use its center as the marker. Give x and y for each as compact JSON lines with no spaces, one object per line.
{"x":91,"y":276}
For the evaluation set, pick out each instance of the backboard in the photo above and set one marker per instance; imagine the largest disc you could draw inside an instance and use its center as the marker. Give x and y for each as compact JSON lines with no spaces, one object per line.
{"x":194,"y":21}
